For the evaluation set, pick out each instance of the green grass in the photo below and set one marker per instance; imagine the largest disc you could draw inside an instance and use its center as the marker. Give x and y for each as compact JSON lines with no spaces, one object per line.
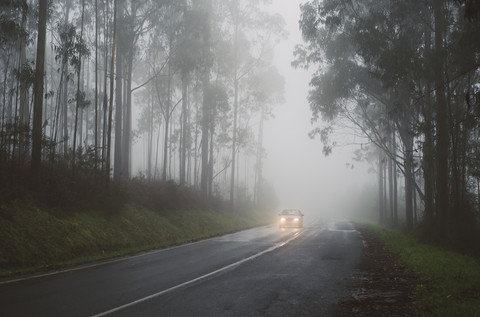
{"x":449,"y":282}
{"x":34,"y":239}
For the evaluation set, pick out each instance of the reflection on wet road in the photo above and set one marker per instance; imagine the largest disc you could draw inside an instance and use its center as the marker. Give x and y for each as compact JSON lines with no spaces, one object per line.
{"x":263,"y":271}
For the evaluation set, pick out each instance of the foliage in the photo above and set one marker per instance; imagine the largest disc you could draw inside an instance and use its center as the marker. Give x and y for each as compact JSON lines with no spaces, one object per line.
{"x":70,"y":47}
{"x":10,"y":29}
{"x":395,"y":74}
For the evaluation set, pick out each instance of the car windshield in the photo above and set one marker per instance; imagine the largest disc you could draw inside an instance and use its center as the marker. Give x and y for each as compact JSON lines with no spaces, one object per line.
{"x":291,"y":212}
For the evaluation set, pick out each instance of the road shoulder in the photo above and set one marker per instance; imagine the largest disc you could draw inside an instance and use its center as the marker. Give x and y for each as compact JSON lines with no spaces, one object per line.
{"x":382,"y":286}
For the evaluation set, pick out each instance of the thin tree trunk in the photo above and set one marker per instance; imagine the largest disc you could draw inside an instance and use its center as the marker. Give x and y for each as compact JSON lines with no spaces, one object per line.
{"x":195,"y":160}
{"x":127,"y":128}
{"x":157,"y":150}
{"x":4,"y":110}
{"x":234,"y":139}
{"x":78,"y":93}
{"x":385,"y":193}
{"x":428,"y":159}
{"x":235,"y":115}
{"x":23,"y":89}
{"x":206,"y":103}
{"x":189,"y":147}
{"x":204,"y":140}
{"x":117,"y":165}
{"x":211,"y":159}
{"x":408,"y":161}
{"x":105,"y":97}
{"x":259,"y":160}
{"x":167,"y":122}
{"x":428,"y":147}
{"x":39,"y":77}
{"x":64,"y":135}
{"x":183,"y":151}
{"x":442,"y":124}
{"x":394,"y":175}
{"x":390,"y":174}
{"x":415,"y":208}
{"x":150,"y":139}
{"x":95,"y":134}
{"x":380,"y":187}
{"x":110,"y":108}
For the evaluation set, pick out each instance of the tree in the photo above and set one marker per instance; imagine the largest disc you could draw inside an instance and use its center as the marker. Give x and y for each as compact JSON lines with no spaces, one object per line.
{"x":39,"y":76}
{"x":119,"y":81}
{"x":373,"y":62}
{"x":247,"y":18}
{"x":110,"y":106}
{"x":266,"y":86}
{"x":186,"y":60}
{"x":140,"y":18}
{"x":442,"y":146}
{"x":381,"y":72}
{"x":203,"y":10}
{"x":80,"y":96}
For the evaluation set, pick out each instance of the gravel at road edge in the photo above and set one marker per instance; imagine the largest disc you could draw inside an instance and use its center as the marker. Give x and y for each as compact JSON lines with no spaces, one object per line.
{"x":381,"y":287}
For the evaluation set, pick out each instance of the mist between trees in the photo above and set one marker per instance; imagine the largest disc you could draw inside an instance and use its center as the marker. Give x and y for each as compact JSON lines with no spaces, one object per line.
{"x":404,"y":76}
{"x":187,"y":84}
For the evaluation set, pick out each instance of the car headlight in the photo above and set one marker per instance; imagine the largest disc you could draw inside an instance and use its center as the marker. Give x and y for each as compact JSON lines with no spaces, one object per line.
{"x":296,"y":219}
{"x":282,"y":219}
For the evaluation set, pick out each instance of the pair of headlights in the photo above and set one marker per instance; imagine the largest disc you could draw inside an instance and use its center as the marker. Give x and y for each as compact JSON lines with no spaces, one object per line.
{"x":283,"y":219}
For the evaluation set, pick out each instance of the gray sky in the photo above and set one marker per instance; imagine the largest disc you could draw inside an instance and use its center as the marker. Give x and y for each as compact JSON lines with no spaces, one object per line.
{"x":303,"y":177}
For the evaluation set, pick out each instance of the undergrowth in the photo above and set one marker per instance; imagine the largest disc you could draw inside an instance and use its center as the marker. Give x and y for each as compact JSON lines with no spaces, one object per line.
{"x":64,"y":219}
{"x":33,"y":239}
{"x":449,"y":282}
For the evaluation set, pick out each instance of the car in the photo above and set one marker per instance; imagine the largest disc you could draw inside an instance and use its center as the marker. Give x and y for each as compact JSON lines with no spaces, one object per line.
{"x":291,"y":218}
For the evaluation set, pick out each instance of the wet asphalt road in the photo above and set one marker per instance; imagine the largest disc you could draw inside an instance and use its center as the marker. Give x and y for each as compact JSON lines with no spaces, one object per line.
{"x":258,"y":272}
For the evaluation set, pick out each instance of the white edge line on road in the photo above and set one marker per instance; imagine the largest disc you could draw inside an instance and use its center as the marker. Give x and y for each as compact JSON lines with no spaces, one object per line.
{"x":278,"y":245}
{"x":105,"y":262}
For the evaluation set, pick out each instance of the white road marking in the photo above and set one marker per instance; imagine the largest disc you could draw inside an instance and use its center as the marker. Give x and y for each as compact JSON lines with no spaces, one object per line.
{"x":276,"y":246}
{"x":104,"y":262}
{"x":107,"y":261}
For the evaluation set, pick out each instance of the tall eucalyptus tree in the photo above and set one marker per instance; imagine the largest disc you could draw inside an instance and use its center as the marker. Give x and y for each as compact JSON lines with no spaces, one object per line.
{"x":252,"y":33}
{"x":39,"y":79}
{"x":373,"y":70}
{"x":389,"y":62}
{"x":266,"y":87}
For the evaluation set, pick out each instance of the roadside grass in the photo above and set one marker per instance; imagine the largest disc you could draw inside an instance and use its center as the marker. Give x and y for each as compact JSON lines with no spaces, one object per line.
{"x":449,"y":282}
{"x":34,"y":239}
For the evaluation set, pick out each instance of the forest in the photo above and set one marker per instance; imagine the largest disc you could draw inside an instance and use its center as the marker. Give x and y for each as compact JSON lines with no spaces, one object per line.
{"x":178,"y":92}
{"x":403,"y":76}
{"x":165,"y":90}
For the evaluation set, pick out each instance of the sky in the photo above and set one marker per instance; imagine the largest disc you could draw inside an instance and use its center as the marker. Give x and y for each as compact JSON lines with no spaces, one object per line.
{"x":300,"y":173}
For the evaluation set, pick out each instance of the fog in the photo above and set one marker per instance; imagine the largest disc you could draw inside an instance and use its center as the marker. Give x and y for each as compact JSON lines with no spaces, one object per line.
{"x":193,"y":105}
{"x":187,"y":92}
{"x":302,"y":175}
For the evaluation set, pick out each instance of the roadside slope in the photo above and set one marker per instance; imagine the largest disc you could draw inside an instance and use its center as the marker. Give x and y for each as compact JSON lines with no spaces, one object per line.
{"x":34,"y":239}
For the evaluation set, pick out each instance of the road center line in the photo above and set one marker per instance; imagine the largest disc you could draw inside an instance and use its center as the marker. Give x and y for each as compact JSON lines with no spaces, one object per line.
{"x":138,"y":301}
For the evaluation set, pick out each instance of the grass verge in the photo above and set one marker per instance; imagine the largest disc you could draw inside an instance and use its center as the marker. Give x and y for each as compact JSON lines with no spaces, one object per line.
{"x":449,"y":283}
{"x":34,"y":239}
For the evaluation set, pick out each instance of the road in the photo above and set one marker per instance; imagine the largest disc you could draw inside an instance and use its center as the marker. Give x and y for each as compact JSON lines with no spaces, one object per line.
{"x":263,"y":271}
